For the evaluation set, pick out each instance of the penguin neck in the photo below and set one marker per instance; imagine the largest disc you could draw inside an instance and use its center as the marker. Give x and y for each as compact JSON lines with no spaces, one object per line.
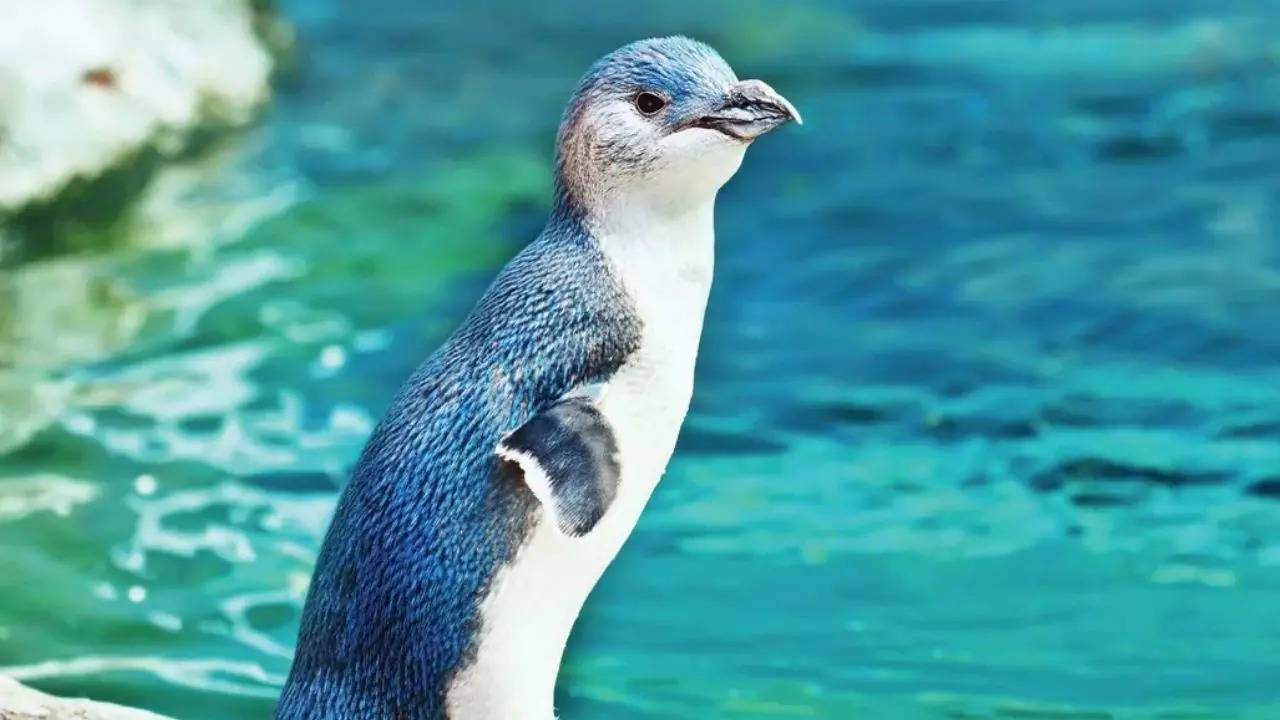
{"x":663,"y":253}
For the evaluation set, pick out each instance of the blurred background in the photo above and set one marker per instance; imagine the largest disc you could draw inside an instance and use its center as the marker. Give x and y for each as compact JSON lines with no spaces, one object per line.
{"x":987,"y":418}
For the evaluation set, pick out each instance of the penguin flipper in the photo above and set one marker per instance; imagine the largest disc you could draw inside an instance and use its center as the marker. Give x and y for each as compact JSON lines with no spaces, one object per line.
{"x":568,"y":457}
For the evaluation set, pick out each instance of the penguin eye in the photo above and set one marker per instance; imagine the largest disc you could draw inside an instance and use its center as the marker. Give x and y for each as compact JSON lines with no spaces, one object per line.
{"x":649,"y":103}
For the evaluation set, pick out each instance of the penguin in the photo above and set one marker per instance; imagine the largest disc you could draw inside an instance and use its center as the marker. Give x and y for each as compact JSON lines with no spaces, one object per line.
{"x":516,"y":460}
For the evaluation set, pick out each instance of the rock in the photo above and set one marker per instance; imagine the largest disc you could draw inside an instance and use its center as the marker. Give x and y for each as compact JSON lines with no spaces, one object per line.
{"x":88,"y":85}
{"x":18,"y":702}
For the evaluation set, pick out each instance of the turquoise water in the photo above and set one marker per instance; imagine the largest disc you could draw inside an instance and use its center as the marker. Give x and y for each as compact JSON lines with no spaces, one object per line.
{"x":987,"y":420}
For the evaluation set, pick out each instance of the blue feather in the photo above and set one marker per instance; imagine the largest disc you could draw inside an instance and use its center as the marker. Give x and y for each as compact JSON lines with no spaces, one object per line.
{"x":426,"y":522}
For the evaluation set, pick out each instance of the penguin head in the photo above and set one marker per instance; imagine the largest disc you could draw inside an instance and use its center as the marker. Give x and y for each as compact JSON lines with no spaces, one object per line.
{"x":662,"y":121}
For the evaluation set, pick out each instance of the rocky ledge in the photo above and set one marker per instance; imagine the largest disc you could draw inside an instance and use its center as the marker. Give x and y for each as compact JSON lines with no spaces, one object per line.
{"x":18,"y":702}
{"x":89,"y":86}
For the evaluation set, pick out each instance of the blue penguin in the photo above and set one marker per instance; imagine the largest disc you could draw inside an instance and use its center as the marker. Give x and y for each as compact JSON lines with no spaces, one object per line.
{"x":516,"y":460}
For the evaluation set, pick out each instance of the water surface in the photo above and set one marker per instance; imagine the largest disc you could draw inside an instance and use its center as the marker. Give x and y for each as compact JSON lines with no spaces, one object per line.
{"x":987,"y":418}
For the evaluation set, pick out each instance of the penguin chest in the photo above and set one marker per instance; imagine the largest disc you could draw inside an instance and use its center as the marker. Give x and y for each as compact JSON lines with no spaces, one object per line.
{"x":645,"y":404}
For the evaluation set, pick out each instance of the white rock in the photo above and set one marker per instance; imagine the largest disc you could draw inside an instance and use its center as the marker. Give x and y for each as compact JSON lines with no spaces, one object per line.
{"x":18,"y":702}
{"x":86,"y":84}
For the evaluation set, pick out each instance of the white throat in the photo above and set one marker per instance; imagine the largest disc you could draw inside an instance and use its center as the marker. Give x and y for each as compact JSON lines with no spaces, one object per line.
{"x":664,"y":259}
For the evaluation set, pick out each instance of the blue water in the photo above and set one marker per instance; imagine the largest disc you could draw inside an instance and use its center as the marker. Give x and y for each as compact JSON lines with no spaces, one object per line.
{"x":987,"y":417}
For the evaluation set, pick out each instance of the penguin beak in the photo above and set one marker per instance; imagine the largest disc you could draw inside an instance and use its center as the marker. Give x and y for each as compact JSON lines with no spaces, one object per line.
{"x":750,"y":109}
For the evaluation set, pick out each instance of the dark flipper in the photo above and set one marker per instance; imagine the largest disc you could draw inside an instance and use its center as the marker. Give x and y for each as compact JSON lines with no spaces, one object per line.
{"x":569,"y":459}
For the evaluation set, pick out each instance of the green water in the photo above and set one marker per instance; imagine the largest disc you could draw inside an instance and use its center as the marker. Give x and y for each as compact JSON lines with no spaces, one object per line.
{"x":987,"y":419}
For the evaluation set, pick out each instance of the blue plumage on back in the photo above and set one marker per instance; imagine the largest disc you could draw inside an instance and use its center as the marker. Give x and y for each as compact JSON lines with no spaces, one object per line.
{"x":427,"y":519}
